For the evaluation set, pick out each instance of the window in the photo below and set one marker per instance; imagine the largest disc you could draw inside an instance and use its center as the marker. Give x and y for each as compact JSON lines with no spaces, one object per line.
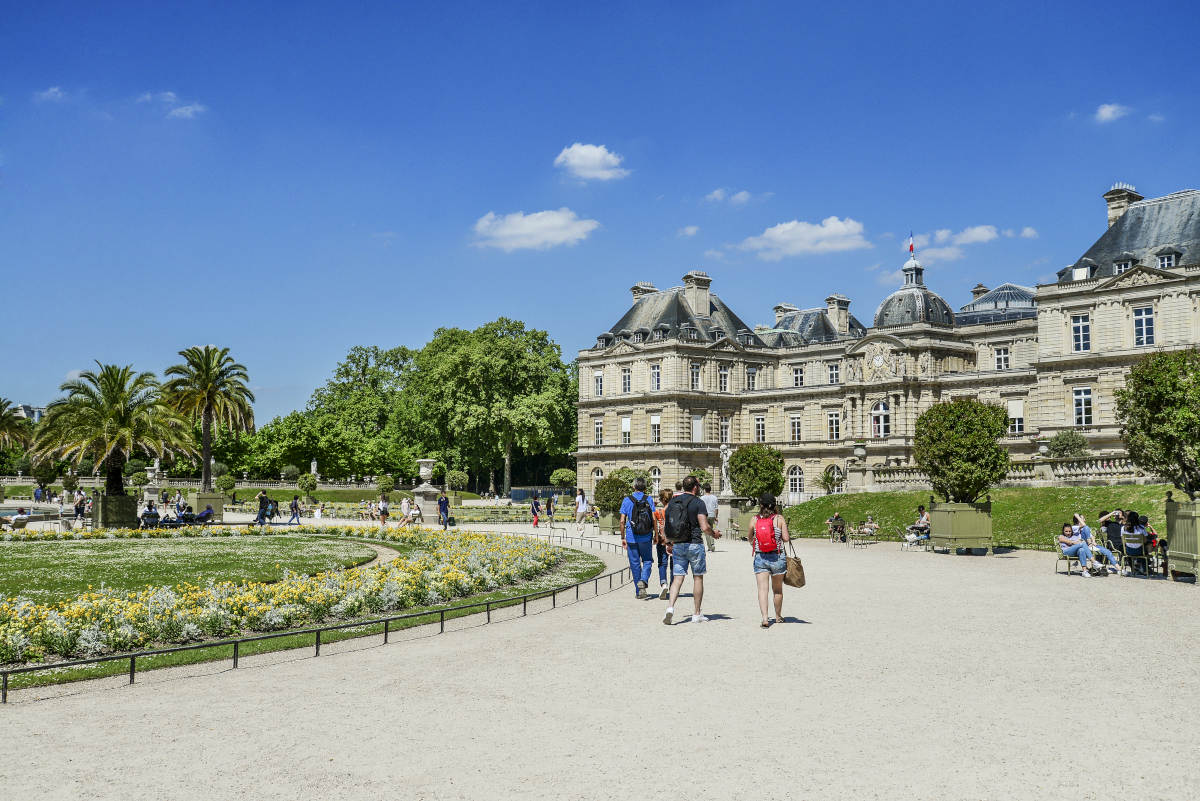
{"x":1081,"y":332}
{"x":597,"y":474}
{"x":1001,"y":358}
{"x":695,"y":376}
{"x":833,"y":425}
{"x":797,"y":426}
{"x":656,"y":479}
{"x":626,"y":423}
{"x":724,"y":429}
{"x":659,"y":334}
{"x":1080,"y":274}
{"x":655,"y":378}
{"x":598,"y":428}
{"x":637,"y":336}
{"x":723,"y":379}
{"x":718,"y":333}
{"x":760,"y":429}
{"x":599,"y":384}
{"x":797,"y":376}
{"x":626,"y":379}
{"x":751,"y":378}
{"x":881,"y":420}
{"x":1121,"y":267}
{"x":835,"y":373}
{"x":1083,"y":407}
{"x":697,"y":428}
{"x":1143,"y":326}
{"x":1016,"y":417}
{"x":655,"y":428}
{"x":1166,"y":261}
{"x":795,"y":479}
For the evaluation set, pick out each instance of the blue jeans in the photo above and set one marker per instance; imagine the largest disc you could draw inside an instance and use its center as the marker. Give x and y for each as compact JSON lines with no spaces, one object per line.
{"x":295,"y":517}
{"x":688,"y":554}
{"x":1107,"y":554}
{"x":663,"y":556}
{"x":1080,"y":551}
{"x":774,"y":563}
{"x":641,"y":560}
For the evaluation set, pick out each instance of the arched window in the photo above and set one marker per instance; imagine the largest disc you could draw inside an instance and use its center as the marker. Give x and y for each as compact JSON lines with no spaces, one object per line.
{"x":881,"y":420}
{"x":655,"y":479}
{"x":597,"y":474}
{"x":839,"y":478}
{"x":795,"y":476}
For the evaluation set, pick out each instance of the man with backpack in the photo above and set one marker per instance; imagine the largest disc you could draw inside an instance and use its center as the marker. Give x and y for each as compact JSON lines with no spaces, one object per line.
{"x":686,"y":521}
{"x":637,"y":520}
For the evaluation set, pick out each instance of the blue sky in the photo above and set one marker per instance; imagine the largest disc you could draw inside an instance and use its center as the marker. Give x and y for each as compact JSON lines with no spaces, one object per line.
{"x":294,"y":179}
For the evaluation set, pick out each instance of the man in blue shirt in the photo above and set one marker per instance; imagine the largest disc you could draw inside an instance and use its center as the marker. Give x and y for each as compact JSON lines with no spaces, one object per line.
{"x":443,"y":511}
{"x":637,"y":521}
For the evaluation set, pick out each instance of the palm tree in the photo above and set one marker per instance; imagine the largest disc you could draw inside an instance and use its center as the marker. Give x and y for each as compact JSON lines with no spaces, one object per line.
{"x":830,"y":479}
{"x":211,"y":386}
{"x":109,"y":415}
{"x":14,"y":429}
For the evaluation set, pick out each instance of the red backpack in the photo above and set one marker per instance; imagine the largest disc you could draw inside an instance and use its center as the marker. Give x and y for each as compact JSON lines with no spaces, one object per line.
{"x":764,"y":534}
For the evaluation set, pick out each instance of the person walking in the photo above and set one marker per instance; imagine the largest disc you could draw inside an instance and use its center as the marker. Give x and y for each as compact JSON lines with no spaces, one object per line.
{"x":384,"y":508}
{"x":295,"y":509}
{"x":711,"y":504}
{"x":262,"y":507}
{"x":768,"y":534}
{"x":580,"y":509}
{"x":550,"y":509}
{"x":637,"y":521}
{"x":686,"y":521}
{"x":443,"y":511}
{"x":660,"y":542}
{"x":536,"y":508}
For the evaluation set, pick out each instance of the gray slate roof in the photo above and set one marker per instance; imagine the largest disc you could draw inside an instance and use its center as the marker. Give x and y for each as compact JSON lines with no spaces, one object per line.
{"x":806,"y":326}
{"x":1146,"y":227}
{"x":1005,"y":302}
{"x":669,"y":310}
{"x":913,"y":304}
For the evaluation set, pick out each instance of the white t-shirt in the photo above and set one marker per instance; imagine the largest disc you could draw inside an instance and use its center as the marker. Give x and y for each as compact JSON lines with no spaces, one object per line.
{"x":580,"y":504}
{"x":404,"y":507}
{"x":383,"y":507}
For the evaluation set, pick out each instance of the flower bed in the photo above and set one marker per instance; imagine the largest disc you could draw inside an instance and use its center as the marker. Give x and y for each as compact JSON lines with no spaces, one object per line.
{"x":442,"y":566}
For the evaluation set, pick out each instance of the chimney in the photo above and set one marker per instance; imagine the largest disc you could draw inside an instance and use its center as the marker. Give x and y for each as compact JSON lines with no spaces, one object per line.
{"x":641,"y":289}
{"x":838,"y":307}
{"x":695,"y":292}
{"x":978,"y":291}
{"x":1119,"y":199}
{"x":782,"y":309}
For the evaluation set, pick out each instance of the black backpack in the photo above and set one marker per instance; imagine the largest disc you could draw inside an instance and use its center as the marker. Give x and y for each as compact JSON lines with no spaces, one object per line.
{"x":676,"y":526}
{"x":641,"y":519}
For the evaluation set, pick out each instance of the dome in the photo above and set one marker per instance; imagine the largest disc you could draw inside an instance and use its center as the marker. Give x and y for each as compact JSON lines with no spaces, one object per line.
{"x":914,"y":302}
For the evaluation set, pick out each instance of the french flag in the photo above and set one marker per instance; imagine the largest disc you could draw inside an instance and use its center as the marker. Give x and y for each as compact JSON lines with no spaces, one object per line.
{"x":911,"y":244}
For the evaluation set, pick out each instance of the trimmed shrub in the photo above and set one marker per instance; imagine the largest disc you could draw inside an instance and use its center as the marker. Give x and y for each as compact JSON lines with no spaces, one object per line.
{"x":563,"y":477}
{"x":756,"y":469}
{"x":1067,"y":444}
{"x":957,"y":445}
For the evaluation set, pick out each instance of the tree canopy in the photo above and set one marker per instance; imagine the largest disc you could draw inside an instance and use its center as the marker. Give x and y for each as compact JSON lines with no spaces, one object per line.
{"x":755,"y":470}
{"x":1159,"y":413}
{"x":1066,"y":444}
{"x":957,"y":446}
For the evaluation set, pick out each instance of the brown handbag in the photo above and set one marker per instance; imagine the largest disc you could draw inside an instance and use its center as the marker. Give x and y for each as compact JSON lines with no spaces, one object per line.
{"x":794,"y":577}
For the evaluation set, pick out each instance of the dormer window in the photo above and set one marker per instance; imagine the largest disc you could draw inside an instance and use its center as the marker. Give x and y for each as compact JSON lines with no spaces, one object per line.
{"x":718,"y":333}
{"x":637,"y":336}
{"x":660,"y":334}
{"x":1121,"y":267}
{"x":1166,"y":261}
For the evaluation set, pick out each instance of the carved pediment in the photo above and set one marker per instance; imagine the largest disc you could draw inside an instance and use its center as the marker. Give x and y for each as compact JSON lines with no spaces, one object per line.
{"x":1141,"y":275}
{"x":622,"y":348}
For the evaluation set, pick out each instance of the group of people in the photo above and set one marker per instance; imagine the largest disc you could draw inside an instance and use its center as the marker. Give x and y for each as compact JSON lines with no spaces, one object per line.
{"x":679,"y":529}
{"x":1128,"y":536}
{"x":151,"y":517}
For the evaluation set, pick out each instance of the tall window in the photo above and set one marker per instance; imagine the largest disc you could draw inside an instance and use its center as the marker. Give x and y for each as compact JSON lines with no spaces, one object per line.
{"x":1081,"y":332}
{"x":718,"y":333}
{"x":797,"y":426}
{"x":795,"y":479}
{"x":1166,"y":262}
{"x":626,"y":424}
{"x":597,"y":474}
{"x":723,"y":378}
{"x":655,"y":377}
{"x":697,"y":428}
{"x":598,"y":430}
{"x":760,"y":429}
{"x":1143,"y":326}
{"x":1083,"y":406}
{"x":835,"y":373}
{"x":659,"y":334}
{"x":695,"y":376}
{"x":599,"y":383}
{"x":833,"y":425}
{"x":724,"y":429}
{"x":1016,"y":417}
{"x":626,"y":379}
{"x":881,"y":420}
{"x":656,"y":479}
{"x":655,"y":428}
{"x":751,"y":378}
{"x":1001,"y":358}
{"x":797,"y":376}
{"x":1121,"y":267}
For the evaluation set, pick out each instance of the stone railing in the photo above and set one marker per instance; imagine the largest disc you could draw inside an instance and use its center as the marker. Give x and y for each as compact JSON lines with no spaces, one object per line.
{"x":1113,"y":468}
{"x":1025,"y":473}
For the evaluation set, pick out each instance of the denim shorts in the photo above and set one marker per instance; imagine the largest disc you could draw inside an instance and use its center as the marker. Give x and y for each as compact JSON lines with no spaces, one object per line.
{"x":688,"y":554}
{"x":774,"y":563}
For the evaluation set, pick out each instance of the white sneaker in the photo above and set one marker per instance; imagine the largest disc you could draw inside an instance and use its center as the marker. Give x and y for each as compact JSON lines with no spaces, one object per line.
{"x":1126,"y":572}
{"x":699,"y":619}
{"x":1083,"y":572}
{"x":667,"y":617}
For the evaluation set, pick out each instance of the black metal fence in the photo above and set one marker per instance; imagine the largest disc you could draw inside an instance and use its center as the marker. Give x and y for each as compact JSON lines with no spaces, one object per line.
{"x":621,"y":576}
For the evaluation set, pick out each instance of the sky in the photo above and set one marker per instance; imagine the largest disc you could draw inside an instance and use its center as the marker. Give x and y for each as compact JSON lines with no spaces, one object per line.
{"x":292,"y":180}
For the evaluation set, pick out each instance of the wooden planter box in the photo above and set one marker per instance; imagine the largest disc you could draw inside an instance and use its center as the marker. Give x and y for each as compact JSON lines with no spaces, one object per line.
{"x":1183,"y":536}
{"x":115,"y":511}
{"x":960,"y":525}
{"x":198,"y":500}
{"x":608,"y":523}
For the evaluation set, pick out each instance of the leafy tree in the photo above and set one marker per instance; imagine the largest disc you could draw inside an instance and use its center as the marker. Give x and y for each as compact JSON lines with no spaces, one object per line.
{"x":957,"y":445}
{"x":211,"y":387}
{"x":1159,"y":413}
{"x":385,"y":483}
{"x":610,"y":491}
{"x":134,"y":465}
{"x":139,"y":479}
{"x":755,"y":470}
{"x":107,"y":415}
{"x":14,"y":428}
{"x":702,"y":475}
{"x":290,"y":472}
{"x":225,"y":484}
{"x":1067,"y":443}
{"x":306,"y":483}
{"x":456,"y":479}
{"x":70,"y":483}
{"x":219,"y":469}
{"x":830,"y":479}
{"x":291,"y":439}
{"x":563,"y":477}
{"x":46,"y":471}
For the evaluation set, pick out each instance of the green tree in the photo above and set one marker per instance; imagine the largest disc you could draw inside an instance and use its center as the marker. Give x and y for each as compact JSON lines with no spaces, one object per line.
{"x":14,"y":428}
{"x":290,"y":472}
{"x":456,"y":479}
{"x":755,"y":470}
{"x":107,"y":415}
{"x":385,"y":483}
{"x":225,"y":484}
{"x":307,"y":483}
{"x":830,"y":479}
{"x":563,"y":477}
{"x":46,"y":471}
{"x":610,"y":491}
{"x":702,"y":475}
{"x":957,"y":444}
{"x":139,"y":479}
{"x":1067,"y":443}
{"x":211,"y":387}
{"x":1159,"y":413}
{"x":219,"y":469}
{"x":70,"y":483}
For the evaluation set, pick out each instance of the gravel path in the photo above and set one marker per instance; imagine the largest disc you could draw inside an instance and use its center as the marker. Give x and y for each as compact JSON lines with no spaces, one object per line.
{"x":900,"y":675}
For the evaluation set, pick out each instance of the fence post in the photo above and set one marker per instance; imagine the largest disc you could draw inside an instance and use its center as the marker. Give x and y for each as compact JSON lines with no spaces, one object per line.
{"x":318,"y":653}
{"x":132,"y":668}
{"x":385,"y":631}
{"x":524,"y":605}
{"x":488,"y":606}
{"x":235,"y":654}
{"x":554,"y":599}
{"x":442,"y":622}
{"x":4,"y":692}
{"x":576,"y":592}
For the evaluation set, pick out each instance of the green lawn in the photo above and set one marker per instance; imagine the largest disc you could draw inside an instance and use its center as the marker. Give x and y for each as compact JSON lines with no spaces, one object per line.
{"x":54,"y":571}
{"x":1026,"y":517}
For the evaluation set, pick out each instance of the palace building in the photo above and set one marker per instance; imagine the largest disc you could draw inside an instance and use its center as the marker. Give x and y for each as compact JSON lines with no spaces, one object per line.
{"x":680,"y":373}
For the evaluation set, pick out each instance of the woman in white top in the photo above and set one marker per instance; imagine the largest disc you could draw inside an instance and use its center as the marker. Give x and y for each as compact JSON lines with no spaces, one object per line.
{"x":768,"y":533}
{"x":580,"y":509}
{"x":405,"y":512}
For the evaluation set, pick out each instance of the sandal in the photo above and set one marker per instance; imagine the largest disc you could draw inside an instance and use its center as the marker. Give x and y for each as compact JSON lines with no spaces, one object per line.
{"x":764,"y":625}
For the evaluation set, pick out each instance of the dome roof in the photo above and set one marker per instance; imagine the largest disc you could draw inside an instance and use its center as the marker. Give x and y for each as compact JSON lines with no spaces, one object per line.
{"x":914,"y":302}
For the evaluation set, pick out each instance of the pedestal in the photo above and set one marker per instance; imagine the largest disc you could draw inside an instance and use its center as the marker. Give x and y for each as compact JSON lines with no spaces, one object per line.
{"x":427,"y":496}
{"x":115,"y":511}
{"x":199,"y":500}
{"x":960,"y":525}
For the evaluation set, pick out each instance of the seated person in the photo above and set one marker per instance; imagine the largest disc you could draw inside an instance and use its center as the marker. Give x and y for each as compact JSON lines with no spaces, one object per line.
{"x":919,"y":530}
{"x":207,"y":515}
{"x":1079,"y":526}
{"x":1133,"y":528}
{"x":1111,"y":523}
{"x":1072,"y":544}
{"x":150,"y":516}
{"x":20,"y":517}
{"x":870,"y":527}
{"x":188,"y":517}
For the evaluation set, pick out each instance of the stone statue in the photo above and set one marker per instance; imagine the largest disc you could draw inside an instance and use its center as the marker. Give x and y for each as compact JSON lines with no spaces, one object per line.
{"x":726,"y":485}
{"x":312,"y":467}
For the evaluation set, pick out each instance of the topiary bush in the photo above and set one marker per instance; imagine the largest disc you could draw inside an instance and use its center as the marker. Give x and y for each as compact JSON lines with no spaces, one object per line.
{"x":755,"y":470}
{"x":70,"y":483}
{"x":139,"y":479}
{"x":1067,"y":444}
{"x":385,"y":483}
{"x":290,"y":472}
{"x":457,"y":479}
{"x":957,"y":446}
{"x":702,"y":475}
{"x":610,"y":491}
{"x":563,"y":477}
{"x":306,"y":483}
{"x":225,"y":484}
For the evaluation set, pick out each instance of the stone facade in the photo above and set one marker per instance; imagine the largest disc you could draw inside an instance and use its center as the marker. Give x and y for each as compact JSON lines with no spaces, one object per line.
{"x":680,"y":373}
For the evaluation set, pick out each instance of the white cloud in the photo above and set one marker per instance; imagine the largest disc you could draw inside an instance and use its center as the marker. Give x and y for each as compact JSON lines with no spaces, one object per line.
{"x":688,"y":230}
{"x":1156,"y":118}
{"x":949,"y":253}
{"x":941,"y":234}
{"x":975,"y":234}
{"x":716,"y":196}
{"x":1029,"y":232}
{"x":187,"y":112}
{"x":714,"y":255}
{"x":740,"y":198}
{"x":1109,"y":112}
{"x":54,"y":94}
{"x":591,"y":162}
{"x":169,"y":98}
{"x":797,"y":238}
{"x":537,"y":231}
{"x":72,"y":375}
{"x":890,"y":278}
